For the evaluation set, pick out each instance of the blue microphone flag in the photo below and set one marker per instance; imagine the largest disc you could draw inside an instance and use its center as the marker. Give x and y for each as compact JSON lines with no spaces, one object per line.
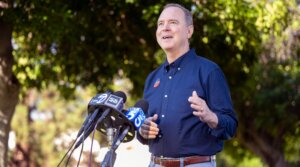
{"x":136,"y":116}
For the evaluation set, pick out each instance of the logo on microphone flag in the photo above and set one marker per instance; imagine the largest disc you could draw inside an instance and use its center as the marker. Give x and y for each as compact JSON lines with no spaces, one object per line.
{"x":157,"y":82}
{"x":136,"y":115}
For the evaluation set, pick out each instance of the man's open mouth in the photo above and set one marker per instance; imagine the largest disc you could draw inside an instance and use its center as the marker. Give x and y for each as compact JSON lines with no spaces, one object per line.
{"x":167,"y":37}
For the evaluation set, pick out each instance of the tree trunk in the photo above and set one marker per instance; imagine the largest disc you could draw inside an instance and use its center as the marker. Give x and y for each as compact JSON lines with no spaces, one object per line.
{"x":263,"y":146}
{"x":9,"y":88}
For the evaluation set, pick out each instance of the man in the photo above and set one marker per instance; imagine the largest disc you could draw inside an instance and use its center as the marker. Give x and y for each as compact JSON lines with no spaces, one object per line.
{"x":190,"y":109}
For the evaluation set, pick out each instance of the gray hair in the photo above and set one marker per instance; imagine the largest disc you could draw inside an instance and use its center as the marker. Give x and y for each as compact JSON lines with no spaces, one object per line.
{"x":188,"y":15}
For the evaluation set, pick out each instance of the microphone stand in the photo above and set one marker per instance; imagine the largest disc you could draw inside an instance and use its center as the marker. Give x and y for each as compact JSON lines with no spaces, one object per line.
{"x":110,"y":157}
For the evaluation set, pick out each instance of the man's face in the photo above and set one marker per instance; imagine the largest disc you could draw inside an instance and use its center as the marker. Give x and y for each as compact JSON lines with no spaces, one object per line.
{"x":173,"y":33}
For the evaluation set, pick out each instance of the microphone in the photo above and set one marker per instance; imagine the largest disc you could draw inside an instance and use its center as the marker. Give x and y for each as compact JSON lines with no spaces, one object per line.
{"x":101,"y":106}
{"x":93,"y":104}
{"x":136,"y":114}
{"x":108,"y":121}
{"x":121,"y":121}
{"x":114,"y":100}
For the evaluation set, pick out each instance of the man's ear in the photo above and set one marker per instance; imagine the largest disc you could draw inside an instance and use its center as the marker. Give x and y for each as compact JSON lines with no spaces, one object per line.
{"x":190,"y":31}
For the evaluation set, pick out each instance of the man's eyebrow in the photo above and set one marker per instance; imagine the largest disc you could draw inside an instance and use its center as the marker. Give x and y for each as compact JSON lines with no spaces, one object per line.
{"x":159,"y":21}
{"x":173,"y":20}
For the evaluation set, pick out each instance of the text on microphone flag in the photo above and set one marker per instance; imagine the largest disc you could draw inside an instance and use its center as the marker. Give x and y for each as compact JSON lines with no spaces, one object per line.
{"x":99,"y":99}
{"x":136,"y":115}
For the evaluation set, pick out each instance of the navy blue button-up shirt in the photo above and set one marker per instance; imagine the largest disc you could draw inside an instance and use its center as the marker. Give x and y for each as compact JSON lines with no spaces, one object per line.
{"x":167,"y":90}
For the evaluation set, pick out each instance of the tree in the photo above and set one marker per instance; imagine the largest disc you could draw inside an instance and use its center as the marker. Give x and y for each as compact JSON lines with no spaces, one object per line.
{"x":53,"y":123}
{"x":242,"y":37}
{"x":9,"y":87}
{"x":71,"y":43}
{"x":269,"y":103}
{"x":68,"y":44}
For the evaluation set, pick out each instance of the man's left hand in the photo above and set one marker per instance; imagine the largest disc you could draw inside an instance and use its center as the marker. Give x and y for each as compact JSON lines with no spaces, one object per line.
{"x":202,"y":111}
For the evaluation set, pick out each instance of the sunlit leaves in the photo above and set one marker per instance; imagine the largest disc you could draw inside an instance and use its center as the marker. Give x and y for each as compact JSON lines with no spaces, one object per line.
{"x":71,"y":43}
{"x":275,"y":16}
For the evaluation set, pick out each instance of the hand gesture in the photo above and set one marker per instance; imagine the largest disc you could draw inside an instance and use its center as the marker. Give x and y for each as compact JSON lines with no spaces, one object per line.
{"x":202,"y":111}
{"x":149,"y":129}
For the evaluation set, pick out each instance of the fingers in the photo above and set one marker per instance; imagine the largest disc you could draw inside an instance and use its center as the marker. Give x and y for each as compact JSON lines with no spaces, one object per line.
{"x":194,"y":99}
{"x":197,"y":103}
{"x":208,"y":117}
{"x":150,"y":121}
{"x":149,"y":129}
{"x":198,"y":114}
{"x":198,"y":107}
{"x":155,"y":117}
{"x":194,"y":94}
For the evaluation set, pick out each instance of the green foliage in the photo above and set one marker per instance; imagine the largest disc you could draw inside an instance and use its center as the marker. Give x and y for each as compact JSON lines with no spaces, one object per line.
{"x":71,"y":43}
{"x":275,"y":17}
{"x":293,"y":146}
{"x":80,"y":43}
{"x":276,"y":93}
{"x":247,"y":160}
{"x":270,"y":99}
{"x":53,"y":118}
{"x":19,"y":120}
{"x":225,"y":32}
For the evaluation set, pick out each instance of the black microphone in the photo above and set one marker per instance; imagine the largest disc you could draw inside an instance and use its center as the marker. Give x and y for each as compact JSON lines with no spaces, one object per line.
{"x":101,"y":106}
{"x":119,"y":121}
{"x":108,"y":121}
{"x":95,"y":102}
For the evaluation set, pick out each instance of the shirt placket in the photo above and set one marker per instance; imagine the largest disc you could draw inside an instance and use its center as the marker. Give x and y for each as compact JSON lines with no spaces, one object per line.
{"x":169,"y":75}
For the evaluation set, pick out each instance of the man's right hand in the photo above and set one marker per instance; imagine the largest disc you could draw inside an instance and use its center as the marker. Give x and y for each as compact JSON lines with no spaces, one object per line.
{"x":149,"y":129}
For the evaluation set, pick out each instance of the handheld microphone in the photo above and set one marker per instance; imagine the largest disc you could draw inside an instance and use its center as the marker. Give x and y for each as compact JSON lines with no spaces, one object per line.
{"x":134,"y":119}
{"x":101,"y":106}
{"x":136,"y":114}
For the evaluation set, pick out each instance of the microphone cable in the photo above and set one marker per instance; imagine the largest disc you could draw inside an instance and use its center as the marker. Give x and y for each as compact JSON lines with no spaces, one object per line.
{"x":78,"y":162}
{"x":69,"y":157}
{"x":73,"y":151}
{"x":67,"y":152}
{"x":103,"y":116}
{"x":80,"y":153}
{"x":91,"y":150}
{"x":77,"y":136}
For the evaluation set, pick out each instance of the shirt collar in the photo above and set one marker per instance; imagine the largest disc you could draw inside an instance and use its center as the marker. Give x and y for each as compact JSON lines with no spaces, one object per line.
{"x":178,"y":61}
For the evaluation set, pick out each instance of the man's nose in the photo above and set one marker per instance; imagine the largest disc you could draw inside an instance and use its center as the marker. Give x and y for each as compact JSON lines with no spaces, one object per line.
{"x":166,"y":27}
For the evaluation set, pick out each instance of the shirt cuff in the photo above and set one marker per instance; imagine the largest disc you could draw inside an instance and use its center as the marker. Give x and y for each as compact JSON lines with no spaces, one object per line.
{"x":141,"y":139}
{"x":220,"y":131}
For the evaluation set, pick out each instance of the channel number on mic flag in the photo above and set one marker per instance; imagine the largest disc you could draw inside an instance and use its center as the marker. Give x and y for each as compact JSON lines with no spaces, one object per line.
{"x":136,"y":115}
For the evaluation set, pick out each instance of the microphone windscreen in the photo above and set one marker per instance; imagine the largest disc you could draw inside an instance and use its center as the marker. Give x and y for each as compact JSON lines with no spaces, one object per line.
{"x":143,"y":104}
{"x":121,"y":94}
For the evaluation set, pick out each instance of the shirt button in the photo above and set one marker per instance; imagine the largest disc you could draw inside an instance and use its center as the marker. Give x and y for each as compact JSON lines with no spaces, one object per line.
{"x":162,"y":116}
{"x":178,"y":68}
{"x":159,"y":136}
{"x":166,"y":96}
{"x":170,"y":77}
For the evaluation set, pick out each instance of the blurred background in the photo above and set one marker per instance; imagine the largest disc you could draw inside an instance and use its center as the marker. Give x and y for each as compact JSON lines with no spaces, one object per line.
{"x":56,"y":55}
